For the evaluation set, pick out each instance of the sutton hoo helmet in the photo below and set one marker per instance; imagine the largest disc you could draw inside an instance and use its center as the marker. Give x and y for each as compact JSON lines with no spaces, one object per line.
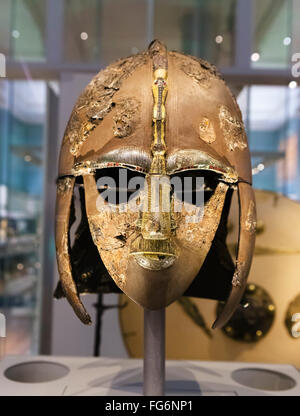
{"x":141,"y":126}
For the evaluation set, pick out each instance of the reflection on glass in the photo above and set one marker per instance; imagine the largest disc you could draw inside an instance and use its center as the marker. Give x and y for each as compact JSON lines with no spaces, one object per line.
{"x":201,"y":28}
{"x":271,"y":114}
{"x":27,"y":29}
{"x":295,"y":44}
{"x":22,"y":118}
{"x":82,"y":22}
{"x":5,"y":34}
{"x":105,"y":29}
{"x":272,"y":33}
{"x":124,"y":25}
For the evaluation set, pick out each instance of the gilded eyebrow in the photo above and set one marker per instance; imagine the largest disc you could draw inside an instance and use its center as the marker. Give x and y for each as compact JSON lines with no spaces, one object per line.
{"x":128,"y":155}
{"x":196,"y":159}
{"x":131,"y":158}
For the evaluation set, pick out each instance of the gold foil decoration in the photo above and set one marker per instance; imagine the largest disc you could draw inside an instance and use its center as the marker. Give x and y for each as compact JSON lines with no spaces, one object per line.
{"x":207,"y":227}
{"x":206,"y":131}
{"x":233,"y":130}
{"x":126,"y":117}
{"x":97,"y":100}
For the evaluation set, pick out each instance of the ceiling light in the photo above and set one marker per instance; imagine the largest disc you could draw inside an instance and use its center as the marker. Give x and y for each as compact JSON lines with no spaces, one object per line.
{"x":255,"y":57}
{"x":260,"y":166}
{"x":84,"y":35}
{"x":15,"y":34}
{"x":287,"y":41}
{"x":293,"y":84}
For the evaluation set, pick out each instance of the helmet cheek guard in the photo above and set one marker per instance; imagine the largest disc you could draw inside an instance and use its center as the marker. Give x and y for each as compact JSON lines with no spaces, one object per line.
{"x":158,"y":115}
{"x":247,"y":223}
{"x":65,"y":187}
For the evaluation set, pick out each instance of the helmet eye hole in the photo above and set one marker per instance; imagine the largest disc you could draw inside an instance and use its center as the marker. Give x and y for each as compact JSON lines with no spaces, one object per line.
{"x":118,"y":185}
{"x":193,"y":183}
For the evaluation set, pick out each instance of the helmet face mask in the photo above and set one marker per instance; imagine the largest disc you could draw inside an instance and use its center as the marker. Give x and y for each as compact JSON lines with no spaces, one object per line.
{"x":156,"y":142}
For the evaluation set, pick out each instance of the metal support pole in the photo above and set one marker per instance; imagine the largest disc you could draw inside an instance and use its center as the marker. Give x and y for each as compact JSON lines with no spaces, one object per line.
{"x":154,"y":352}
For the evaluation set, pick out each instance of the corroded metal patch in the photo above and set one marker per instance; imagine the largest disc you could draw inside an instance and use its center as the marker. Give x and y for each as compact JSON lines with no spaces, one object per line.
{"x":207,"y":131}
{"x":207,"y":227}
{"x":158,"y":54}
{"x":97,"y":100}
{"x":63,"y":260}
{"x":233,"y":130}
{"x":64,"y":185}
{"x":194,"y":69}
{"x":250,"y":223}
{"x":236,"y":280}
{"x":126,"y":117}
{"x":109,"y":242}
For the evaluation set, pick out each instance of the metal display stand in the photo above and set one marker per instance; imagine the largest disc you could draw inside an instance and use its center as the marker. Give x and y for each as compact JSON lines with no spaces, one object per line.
{"x":154,"y":352}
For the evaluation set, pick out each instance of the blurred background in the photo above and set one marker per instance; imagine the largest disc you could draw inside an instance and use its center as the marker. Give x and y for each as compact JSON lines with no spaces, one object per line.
{"x":52,"y":49}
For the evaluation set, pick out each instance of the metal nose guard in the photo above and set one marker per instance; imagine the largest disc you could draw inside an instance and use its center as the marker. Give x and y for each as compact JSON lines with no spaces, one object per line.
{"x":153,"y":249}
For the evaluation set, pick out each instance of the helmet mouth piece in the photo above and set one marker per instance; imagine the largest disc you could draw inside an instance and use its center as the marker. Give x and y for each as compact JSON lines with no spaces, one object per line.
{"x":154,"y":262}
{"x":155,"y":247}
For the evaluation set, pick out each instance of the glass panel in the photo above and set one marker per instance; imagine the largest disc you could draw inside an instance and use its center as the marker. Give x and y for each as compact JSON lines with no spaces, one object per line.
{"x":198,"y":27}
{"x":22,"y":123}
{"x":123,"y":28}
{"x":272,"y":117}
{"x":95,"y":28}
{"x":81,"y":30}
{"x":272,"y":33}
{"x":5,"y":33}
{"x":295,"y":27}
{"x":28,"y":29}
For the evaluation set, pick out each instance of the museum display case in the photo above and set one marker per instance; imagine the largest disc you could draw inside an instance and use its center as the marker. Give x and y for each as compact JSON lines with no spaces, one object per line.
{"x":22,"y":126}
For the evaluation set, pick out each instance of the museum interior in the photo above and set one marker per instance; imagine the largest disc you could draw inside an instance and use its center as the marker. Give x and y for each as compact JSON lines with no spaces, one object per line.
{"x":50,"y":50}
